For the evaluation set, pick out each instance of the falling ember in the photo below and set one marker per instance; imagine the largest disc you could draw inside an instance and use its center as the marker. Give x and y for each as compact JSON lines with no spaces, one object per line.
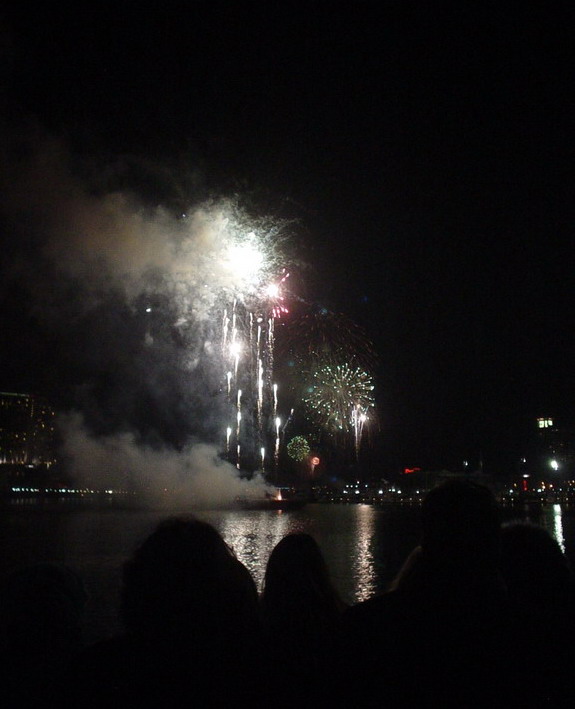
{"x":270,"y":349}
{"x":277,"y":448}
{"x":239,"y":419}
{"x":275,"y":390}
{"x":225,"y":330}
{"x":234,"y":323}
{"x":358,"y":419}
{"x":229,"y":377}
{"x":235,"y":349}
{"x":228,"y":434}
{"x":263,"y":454}
{"x":279,"y":495}
{"x":260,"y":381}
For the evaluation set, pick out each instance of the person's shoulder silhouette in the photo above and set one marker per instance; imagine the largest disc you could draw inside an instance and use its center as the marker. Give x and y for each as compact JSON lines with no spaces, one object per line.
{"x":192,"y":627}
{"x":440,"y":634}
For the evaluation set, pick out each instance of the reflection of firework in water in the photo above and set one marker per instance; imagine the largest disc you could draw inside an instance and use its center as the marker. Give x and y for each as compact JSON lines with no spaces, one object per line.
{"x":339,"y":398}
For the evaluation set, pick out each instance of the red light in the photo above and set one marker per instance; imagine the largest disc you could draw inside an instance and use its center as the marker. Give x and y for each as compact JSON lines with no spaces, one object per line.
{"x":407,"y":471}
{"x":315,"y":460}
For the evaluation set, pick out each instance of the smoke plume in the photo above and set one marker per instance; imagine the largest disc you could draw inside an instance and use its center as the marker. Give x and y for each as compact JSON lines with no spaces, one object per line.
{"x":118,"y":307}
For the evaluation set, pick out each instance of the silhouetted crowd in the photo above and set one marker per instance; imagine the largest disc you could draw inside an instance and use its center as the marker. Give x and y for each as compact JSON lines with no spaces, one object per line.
{"x":480,"y":615}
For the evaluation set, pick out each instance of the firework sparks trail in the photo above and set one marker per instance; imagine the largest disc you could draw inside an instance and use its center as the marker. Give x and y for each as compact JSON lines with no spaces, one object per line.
{"x":275,"y":295}
{"x":234,"y":330}
{"x":238,"y":426}
{"x":358,"y":419}
{"x":277,"y":445}
{"x":288,"y":421}
{"x":257,"y":301}
{"x":260,"y":389}
{"x":225,"y":325}
{"x":270,"y":350}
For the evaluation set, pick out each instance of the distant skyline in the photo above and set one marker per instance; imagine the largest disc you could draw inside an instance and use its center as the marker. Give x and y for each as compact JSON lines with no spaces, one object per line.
{"x":422,"y":156}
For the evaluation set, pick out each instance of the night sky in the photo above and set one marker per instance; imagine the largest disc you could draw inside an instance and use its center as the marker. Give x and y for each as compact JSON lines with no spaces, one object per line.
{"x":422,"y":150}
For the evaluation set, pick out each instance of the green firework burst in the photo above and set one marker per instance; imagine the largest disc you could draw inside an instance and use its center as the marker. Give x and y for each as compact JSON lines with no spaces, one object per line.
{"x":334,"y":392}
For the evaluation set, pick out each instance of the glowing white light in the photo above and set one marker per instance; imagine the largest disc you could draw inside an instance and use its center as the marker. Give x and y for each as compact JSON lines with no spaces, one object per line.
{"x":558,"y":527}
{"x":273,"y":290}
{"x":245,"y":259}
{"x":554,"y":464}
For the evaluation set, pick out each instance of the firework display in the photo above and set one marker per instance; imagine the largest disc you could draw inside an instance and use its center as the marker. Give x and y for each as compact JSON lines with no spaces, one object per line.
{"x":237,"y":305}
{"x":328,"y":362}
{"x":298,"y":448}
{"x":340,"y":397}
{"x":317,"y":334}
{"x":247,"y":347}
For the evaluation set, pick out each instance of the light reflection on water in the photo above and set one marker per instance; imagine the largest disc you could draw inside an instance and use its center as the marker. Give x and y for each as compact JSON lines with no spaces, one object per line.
{"x":363,"y":569}
{"x":345,"y":535}
{"x":558,"y":526}
{"x":253,"y":536}
{"x":363,"y":545}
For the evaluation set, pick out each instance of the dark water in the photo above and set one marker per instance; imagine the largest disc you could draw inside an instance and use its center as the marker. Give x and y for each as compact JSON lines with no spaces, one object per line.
{"x":364,"y":545}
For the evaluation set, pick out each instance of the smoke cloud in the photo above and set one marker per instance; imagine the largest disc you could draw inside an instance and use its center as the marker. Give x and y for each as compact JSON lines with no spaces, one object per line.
{"x":194,"y":477}
{"x":118,"y":306}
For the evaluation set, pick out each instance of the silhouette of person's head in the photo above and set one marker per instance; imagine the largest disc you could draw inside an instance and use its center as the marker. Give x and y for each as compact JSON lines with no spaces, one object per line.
{"x":297,"y":579}
{"x":460,"y":522}
{"x":184,"y":585}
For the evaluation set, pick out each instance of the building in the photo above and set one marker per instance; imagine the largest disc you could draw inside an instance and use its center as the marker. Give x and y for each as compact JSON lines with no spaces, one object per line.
{"x":555,"y":449}
{"x":27,"y":430}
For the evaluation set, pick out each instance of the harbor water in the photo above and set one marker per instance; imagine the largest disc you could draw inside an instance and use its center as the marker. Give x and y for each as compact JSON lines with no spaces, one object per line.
{"x":364,"y":545}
